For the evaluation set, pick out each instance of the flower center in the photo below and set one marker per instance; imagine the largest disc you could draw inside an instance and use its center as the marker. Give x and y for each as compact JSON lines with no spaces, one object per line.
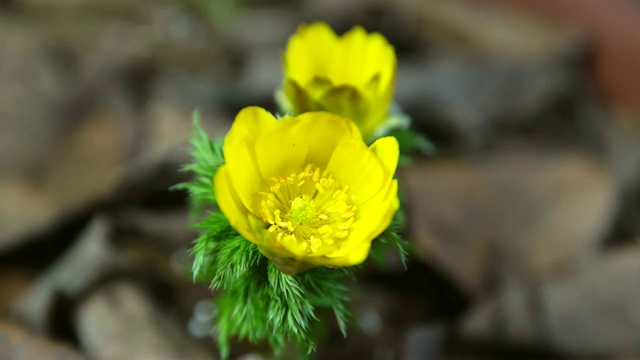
{"x":310,"y":208}
{"x":303,"y":210}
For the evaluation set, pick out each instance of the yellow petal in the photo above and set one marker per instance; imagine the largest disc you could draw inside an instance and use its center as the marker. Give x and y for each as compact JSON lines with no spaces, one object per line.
{"x":378,"y":214}
{"x":309,"y":52}
{"x":373,"y":218}
{"x":377,"y":114}
{"x":348,"y":61}
{"x":287,"y":264}
{"x":378,"y":102}
{"x":287,"y":247}
{"x":230,"y":204}
{"x":240,"y":154}
{"x":353,"y":164}
{"x":359,"y":56}
{"x":279,"y":151}
{"x":310,"y":138}
{"x":324,"y":132}
{"x":294,"y":246}
{"x":355,"y":257}
{"x":387,"y":150}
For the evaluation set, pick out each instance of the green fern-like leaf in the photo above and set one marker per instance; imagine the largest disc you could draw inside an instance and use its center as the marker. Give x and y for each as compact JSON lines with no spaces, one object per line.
{"x":391,"y":238}
{"x":207,"y":157}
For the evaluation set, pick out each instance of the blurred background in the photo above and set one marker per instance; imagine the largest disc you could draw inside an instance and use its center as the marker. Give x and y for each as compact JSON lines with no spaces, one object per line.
{"x":526,"y":223}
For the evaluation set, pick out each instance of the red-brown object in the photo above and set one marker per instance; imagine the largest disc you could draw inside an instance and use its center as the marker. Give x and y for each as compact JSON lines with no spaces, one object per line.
{"x":612,"y":28}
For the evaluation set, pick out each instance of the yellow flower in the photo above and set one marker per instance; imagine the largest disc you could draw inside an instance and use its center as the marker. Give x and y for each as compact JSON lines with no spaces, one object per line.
{"x":306,"y":189}
{"x":352,"y":75}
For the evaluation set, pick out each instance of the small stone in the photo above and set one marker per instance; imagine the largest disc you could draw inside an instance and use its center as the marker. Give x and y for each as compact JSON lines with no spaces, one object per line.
{"x":15,"y":281}
{"x":201,"y":323}
{"x":16,"y":343}
{"x":613,"y":30}
{"x":596,"y":311}
{"x":369,"y":320}
{"x":90,"y":258}
{"x":503,"y":213}
{"x":451,"y":215}
{"x":423,"y":342}
{"x":450,"y":24}
{"x":512,"y":315}
{"x":591,"y":312}
{"x":69,"y":178}
{"x":119,"y":321}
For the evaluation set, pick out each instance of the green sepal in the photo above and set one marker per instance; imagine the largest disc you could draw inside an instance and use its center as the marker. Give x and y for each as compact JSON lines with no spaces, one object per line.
{"x":391,"y":239}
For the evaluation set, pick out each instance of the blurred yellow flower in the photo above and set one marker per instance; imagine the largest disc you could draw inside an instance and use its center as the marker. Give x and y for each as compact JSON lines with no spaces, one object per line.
{"x":306,"y":189}
{"x":351,"y":75}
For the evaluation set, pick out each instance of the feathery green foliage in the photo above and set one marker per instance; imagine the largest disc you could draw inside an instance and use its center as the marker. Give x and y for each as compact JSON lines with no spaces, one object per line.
{"x":391,"y":239}
{"x":256,"y":301}
{"x":260,"y":302}
{"x":207,"y":158}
